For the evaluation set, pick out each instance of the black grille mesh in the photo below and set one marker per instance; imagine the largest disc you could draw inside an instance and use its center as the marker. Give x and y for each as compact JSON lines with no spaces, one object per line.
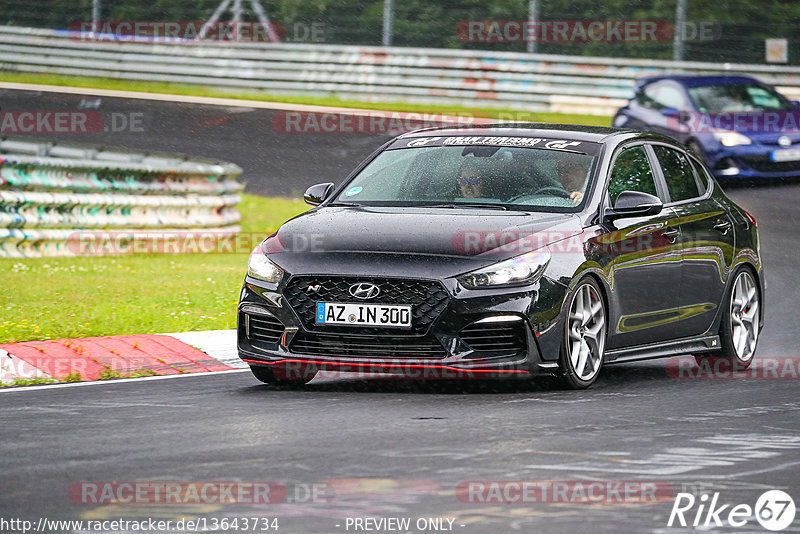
{"x":367,"y":346}
{"x":428,"y":299}
{"x":265,"y":328}
{"x":498,"y":337}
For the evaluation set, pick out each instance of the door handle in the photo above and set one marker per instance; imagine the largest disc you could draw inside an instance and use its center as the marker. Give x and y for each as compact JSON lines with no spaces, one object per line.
{"x":723,"y":226}
{"x":672,"y":234}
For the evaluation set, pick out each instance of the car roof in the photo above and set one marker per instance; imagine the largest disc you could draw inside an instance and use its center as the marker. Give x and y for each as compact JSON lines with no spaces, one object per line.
{"x":695,"y":80}
{"x":596,"y":134}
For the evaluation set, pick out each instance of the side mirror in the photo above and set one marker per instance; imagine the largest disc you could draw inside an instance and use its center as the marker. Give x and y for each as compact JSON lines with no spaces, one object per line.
{"x":316,"y":194}
{"x":635,"y":204}
{"x":672,"y":113}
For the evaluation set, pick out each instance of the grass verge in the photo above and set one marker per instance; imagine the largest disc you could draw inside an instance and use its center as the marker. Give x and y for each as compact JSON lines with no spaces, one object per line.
{"x":54,"y":298}
{"x":28,"y":382}
{"x":197,"y":90}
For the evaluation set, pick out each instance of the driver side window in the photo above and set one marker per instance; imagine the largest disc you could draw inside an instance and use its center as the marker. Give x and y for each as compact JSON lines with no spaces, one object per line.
{"x":631,"y":172}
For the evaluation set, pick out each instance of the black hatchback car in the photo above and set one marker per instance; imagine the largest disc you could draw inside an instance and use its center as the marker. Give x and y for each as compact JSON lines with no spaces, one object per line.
{"x":506,"y":251}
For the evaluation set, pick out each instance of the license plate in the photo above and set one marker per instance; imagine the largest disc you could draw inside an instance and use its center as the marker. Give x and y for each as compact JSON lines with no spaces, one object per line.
{"x":398,"y":316}
{"x":790,"y":154}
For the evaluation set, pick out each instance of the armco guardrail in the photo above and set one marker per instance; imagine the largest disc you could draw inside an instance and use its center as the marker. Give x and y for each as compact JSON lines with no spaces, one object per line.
{"x":534,"y":82}
{"x":62,"y":200}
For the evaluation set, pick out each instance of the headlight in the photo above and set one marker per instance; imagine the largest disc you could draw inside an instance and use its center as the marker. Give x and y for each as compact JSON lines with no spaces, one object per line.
{"x":524,"y":269}
{"x":732,"y":138}
{"x":261,"y":268}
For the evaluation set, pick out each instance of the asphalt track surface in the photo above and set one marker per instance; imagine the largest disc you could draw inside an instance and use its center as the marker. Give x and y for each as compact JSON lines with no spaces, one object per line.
{"x":400,"y":448}
{"x":273,"y":162}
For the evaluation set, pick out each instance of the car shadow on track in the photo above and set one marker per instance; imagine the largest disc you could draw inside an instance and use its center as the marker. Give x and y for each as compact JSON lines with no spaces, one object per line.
{"x":614,"y":377}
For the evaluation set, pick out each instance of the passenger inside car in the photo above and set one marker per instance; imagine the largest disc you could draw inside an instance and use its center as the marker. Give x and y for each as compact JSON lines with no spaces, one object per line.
{"x":471,"y":179}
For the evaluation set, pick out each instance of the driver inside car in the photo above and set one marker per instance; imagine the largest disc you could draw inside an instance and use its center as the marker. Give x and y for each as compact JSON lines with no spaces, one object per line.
{"x":572,"y":174}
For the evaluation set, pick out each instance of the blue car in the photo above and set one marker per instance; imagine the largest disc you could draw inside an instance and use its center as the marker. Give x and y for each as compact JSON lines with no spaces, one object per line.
{"x":740,"y":127}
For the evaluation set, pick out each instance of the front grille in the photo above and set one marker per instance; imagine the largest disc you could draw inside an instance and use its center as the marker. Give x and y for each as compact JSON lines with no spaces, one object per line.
{"x":764,"y":164}
{"x":264,"y":328}
{"x":774,"y":142}
{"x":367,"y":346}
{"x":428,"y":298}
{"x":498,"y":337}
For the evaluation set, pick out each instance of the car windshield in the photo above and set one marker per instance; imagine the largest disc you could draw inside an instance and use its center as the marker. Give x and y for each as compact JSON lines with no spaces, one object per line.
{"x":737,"y":97}
{"x":528,"y":179}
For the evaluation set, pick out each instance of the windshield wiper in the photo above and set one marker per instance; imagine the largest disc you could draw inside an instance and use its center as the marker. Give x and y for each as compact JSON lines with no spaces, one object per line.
{"x":343,"y":204}
{"x":460,"y":205}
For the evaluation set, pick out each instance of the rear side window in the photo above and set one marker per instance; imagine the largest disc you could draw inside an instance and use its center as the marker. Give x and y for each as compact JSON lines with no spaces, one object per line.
{"x":678,"y":174}
{"x":702,"y":176}
{"x":631,"y":172}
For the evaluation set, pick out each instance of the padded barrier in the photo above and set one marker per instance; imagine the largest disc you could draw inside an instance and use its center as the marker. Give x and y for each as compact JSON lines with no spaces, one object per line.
{"x":51,"y":206}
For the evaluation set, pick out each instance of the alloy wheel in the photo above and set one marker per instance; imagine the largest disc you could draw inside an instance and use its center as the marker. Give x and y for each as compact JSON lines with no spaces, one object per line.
{"x":586,"y":336}
{"x":744,"y":316}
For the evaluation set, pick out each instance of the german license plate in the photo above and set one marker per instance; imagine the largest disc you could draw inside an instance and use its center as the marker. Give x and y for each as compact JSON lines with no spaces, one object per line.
{"x":790,"y":154}
{"x":396,"y":315}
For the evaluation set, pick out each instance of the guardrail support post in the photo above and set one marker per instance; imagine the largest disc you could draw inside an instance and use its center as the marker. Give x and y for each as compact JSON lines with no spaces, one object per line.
{"x":680,"y":29}
{"x":95,"y":16}
{"x":388,"y":21}
{"x":533,"y":18}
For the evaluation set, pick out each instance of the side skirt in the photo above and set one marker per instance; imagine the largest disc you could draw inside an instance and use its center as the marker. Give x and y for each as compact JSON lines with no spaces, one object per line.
{"x":661,"y":350}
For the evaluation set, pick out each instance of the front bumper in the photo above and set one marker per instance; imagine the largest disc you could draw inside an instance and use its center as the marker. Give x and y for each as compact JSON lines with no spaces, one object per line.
{"x":750,"y":161}
{"x":500,"y":333}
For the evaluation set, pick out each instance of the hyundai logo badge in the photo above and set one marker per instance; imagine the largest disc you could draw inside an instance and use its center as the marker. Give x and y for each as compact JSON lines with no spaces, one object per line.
{"x":784,"y":141}
{"x":364,"y":291}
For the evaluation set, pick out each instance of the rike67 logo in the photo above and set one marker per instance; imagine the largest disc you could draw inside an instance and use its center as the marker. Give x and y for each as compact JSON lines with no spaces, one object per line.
{"x":774,"y":510}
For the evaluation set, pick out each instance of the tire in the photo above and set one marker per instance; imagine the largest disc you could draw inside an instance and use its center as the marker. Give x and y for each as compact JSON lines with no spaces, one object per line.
{"x":267,"y":375}
{"x":740,"y":325}
{"x":584,"y":341}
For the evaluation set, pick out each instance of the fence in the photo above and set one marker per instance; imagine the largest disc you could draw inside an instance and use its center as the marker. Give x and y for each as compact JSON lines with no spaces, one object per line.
{"x":532,"y":82}
{"x":713,"y":31}
{"x":62,"y":200}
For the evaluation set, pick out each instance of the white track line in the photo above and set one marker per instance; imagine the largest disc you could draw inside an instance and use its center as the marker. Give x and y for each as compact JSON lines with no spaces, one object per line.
{"x":212,"y":101}
{"x":39,"y":387}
